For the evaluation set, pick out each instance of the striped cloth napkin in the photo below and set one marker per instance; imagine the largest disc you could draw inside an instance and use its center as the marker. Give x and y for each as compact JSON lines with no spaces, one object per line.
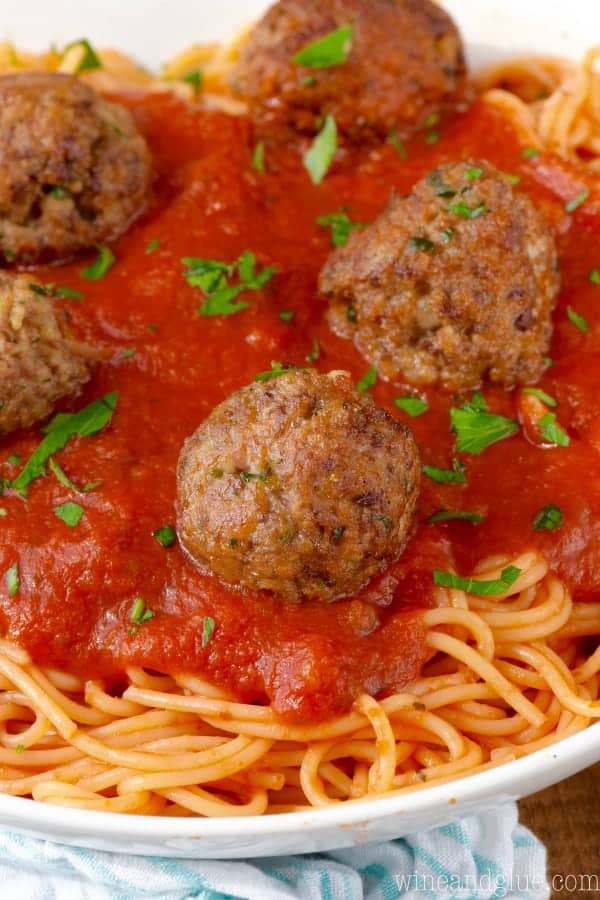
{"x":479,"y":857}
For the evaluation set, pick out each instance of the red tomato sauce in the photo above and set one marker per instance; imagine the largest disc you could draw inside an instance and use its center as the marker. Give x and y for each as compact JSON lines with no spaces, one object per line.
{"x":78,"y":585}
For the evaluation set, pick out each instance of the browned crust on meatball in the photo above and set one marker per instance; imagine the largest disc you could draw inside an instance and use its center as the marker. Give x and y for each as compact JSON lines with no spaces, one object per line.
{"x":406,"y":62}
{"x":299,"y":485}
{"x":74,"y":171}
{"x":39,"y":361}
{"x":440,"y":297}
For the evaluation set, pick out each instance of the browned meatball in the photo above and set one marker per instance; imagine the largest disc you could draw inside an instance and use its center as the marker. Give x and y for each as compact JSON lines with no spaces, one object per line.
{"x":74,"y":171}
{"x":39,"y":362}
{"x":452,"y":284}
{"x":299,"y":485}
{"x":406,"y":61}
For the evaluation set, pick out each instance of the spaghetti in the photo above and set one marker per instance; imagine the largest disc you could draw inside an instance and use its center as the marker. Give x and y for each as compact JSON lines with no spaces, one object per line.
{"x":505,"y":677}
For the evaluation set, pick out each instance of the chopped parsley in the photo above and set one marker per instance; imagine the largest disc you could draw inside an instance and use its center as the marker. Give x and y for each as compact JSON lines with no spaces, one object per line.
{"x":455,"y":475}
{"x":595,"y":276}
{"x":530,"y":152}
{"x":338,"y":533}
{"x":247,"y":477}
{"x":165,"y":535}
{"x":552,"y":432}
{"x":153,"y":245}
{"x":214,"y":279}
{"x":13,"y":582}
{"x":480,"y":588}
{"x":58,"y":192}
{"x":463,"y":210}
{"x":208,"y":626}
{"x":128,"y":353}
{"x":446,"y":515}
{"x":101,"y":265}
{"x":341,"y":227}
{"x":447,"y":235}
{"x":20,"y":748}
{"x":513,"y":179}
{"x":550,"y":518}
{"x":286,"y":315}
{"x":139,"y":615}
{"x":330,"y":50}
{"x":577,"y":320}
{"x":398,"y":145}
{"x":70,"y":513}
{"x":541,"y":395}
{"x":411,"y":405}
{"x":88,"y":421}
{"x":431,"y":120}
{"x":315,"y":353}
{"x":367,"y":381}
{"x":576,"y":201}
{"x":474,"y":172}
{"x":89,"y":58}
{"x":475,"y":428}
{"x":385,"y":521}
{"x":13,"y":460}
{"x":53,"y":290}
{"x":440,"y":188}
{"x":275,"y":371}
{"x":195,"y":79}
{"x":432,"y":137}
{"x":66,"y":481}
{"x":319,"y":156}
{"x":421,"y":243}
{"x":258,"y":158}
{"x":351,"y":314}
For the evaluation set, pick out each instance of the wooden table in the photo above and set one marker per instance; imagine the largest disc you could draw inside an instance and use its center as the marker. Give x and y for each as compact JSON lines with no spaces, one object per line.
{"x":566,"y":818}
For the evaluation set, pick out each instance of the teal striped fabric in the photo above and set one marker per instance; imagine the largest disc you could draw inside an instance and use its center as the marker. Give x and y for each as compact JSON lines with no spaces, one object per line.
{"x":477,"y":858}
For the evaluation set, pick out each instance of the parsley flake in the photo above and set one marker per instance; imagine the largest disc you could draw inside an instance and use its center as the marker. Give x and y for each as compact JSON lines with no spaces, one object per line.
{"x":595,"y":276}
{"x":258,"y":158}
{"x":101,"y":265}
{"x":88,"y":421}
{"x":411,"y":405}
{"x":550,"y":518}
{"x":208,"y":626}
{"x":463,"y":210}
{"x":398,"y":145}
{"x":492,"y":588}
{"x":140,"y":614}
{"x":552,"y":432}
{"x":315,"y":353}
{"x":576,"y":201}
{"x":455,"y":475}
{"x":577,"y":320}
{"x":367,"y":381}
{"x":541,"y":395}
{"x":213,"y":278}
{"x":530,"y":152}
{"x":195,"y":79}
{"x":89,"y":58}
{"x":70,"y":513}
{"x":286,"y":315}
{"x":330,"y":50}
{"x":153,"y":245}
{"x":165,"y":535}
{"x":446,"y":515}
{"x":319,"y":156}
{"x":276,"y":370}
{"x":474,"y":172}
{"x":341,"y":227}
{"x":13,"y":582}
{"x":476,"y":429}
{"x":421,"y":243}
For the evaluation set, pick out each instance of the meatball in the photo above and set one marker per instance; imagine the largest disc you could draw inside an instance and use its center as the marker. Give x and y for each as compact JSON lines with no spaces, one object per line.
{"x":39,"y":362}
{"x":406,"y":61}
{"x":74,"y":171}
{"x":299,"y":485}
{"x":452,"y":284}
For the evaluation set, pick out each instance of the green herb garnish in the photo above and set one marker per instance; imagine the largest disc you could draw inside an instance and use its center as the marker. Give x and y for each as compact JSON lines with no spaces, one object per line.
{"x":530,"y":152}
{"x":89,"y":60}
{"x":552,"y":432}
{"x":70,"y":513}
{"x":421,"y":243}
{"x":541,"y":395}
{"x":577,"y":320}
{"x":367,"y":381}
{"x":455,"y":475}
{"x":195,"y":78}
{"x":208,"y":627}
{"x":213,"y":278}
{"x":286,"y":315}
{"x":258,"y":158}
{"x":13,"y":582}
{"x":153,"y":245}
{"x":595,"y":276}
{"x":463,"y":210}
{"x":319,"y":156}
{"x":66,"y":481}
{"x":398,"y":145}
{"x":411,"y":405}
{"x":576,"y":201}
{"x":474,"y":172}
{"x":476,"y":429}
{"x":446,"y":515}
{"x":315,"y":353}
{"x":98,"y":269}
{"x":276,"y":370}
{"x":550,"y":518}
{"x":330,"y":50}
{"x":59,"y":430}
{"x":480,"y":588}
{"x":165,"y":535}
{"x":140,"y":614}
{"x":341,"y":227}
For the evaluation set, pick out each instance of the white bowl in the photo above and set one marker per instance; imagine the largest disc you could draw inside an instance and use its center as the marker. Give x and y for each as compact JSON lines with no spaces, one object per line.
{"x":153,"y":30}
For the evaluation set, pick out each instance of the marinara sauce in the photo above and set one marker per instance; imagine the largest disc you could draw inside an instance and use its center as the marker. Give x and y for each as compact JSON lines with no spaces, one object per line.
{"x":79,"y":585}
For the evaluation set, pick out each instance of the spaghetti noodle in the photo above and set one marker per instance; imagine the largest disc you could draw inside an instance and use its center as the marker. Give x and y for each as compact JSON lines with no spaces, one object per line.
{"x":506,"y":678}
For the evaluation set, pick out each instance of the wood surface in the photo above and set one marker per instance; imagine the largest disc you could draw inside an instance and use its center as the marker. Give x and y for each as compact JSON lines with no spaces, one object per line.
{"x":566,"y":818}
